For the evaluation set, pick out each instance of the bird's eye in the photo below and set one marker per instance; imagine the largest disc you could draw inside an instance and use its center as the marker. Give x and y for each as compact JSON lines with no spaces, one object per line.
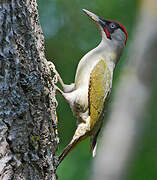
{"x":112,"y":26}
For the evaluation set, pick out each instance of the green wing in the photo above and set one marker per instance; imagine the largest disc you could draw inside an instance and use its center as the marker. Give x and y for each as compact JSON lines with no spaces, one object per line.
{"x":99,"y":88}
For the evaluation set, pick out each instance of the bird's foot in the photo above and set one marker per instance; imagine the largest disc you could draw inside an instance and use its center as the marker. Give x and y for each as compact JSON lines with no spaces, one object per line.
{"x":58,"y":89}
{"x":66,"y":87}
{"x":53,"y":69}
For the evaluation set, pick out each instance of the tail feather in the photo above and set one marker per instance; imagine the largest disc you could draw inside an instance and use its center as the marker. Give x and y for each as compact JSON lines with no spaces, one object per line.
{"x":70,"y":147}
{"x":81,"y":133}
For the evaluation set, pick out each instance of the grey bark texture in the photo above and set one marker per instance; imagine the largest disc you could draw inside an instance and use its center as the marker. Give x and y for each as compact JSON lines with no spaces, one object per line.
{"x":28,"y":134}
{"x":130,"y":108}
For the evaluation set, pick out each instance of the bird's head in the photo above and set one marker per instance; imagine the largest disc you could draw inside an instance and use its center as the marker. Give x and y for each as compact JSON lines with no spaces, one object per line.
{"x":112,"y":32}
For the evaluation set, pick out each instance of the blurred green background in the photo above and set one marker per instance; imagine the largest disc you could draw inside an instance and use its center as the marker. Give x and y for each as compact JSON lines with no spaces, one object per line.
{"x":69,"y":34}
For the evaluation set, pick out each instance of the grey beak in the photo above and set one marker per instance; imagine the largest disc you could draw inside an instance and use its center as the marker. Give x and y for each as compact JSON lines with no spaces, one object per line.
{"x":94,"y":17}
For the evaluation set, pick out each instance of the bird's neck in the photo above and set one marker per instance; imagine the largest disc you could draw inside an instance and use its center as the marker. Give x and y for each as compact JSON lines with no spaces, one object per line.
{"x":109,"y":50}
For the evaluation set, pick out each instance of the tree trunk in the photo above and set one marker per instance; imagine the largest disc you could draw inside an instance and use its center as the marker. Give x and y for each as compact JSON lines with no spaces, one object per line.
{"x":28,"y":136}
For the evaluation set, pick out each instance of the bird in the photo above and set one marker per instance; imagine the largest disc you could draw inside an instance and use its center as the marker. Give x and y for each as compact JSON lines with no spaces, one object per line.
{"x":89,"y":93}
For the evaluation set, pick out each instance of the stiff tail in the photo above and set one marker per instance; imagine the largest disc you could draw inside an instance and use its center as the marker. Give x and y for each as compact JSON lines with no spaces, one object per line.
{"x":70,"y":147}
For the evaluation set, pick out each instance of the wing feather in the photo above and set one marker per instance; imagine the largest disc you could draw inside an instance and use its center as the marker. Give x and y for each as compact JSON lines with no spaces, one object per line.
{"x":99,"y":87}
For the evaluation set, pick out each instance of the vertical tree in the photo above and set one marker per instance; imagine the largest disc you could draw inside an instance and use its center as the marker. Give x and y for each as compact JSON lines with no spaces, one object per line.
{"x":28,"y":138}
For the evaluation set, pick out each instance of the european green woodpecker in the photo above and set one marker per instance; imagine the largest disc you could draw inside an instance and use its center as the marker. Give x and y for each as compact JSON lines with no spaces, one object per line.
{"x":93,"y":82}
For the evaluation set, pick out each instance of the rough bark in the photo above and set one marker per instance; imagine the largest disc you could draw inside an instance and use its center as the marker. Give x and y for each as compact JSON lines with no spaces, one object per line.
{"x":130,"y":108}
{"x":28,"y":136}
